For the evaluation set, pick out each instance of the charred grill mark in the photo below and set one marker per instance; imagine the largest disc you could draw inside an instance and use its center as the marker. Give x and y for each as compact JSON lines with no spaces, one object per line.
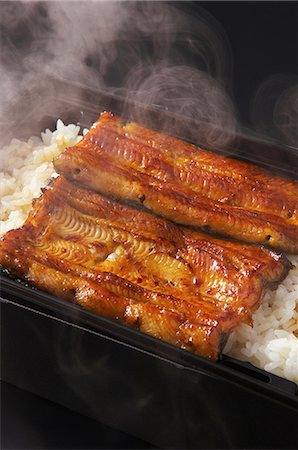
{"x":172,"y":282}
{"x":208,"y":161}
{"x":91,"y":204}
{"x":106,"y":295}
{"x":202,"y":179}
{"x":185,"y":184}
{"x":113,"y":260}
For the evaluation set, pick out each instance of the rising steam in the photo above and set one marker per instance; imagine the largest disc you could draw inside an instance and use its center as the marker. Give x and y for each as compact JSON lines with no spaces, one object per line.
{"x":274,"y":109}
{"x":190,"y":97}
{"x":149,"y":52}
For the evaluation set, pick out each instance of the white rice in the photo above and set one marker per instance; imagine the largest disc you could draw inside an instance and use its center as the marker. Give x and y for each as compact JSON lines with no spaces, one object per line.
{"x":25,"y":167}
{"x":270,"y":343}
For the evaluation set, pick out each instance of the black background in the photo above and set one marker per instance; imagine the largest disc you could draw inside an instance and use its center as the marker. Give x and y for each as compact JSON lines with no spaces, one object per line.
{"x":263,"y":38}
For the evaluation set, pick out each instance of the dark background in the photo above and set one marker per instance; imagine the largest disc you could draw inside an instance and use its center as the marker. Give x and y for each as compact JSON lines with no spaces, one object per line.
{"x":263,"y":38}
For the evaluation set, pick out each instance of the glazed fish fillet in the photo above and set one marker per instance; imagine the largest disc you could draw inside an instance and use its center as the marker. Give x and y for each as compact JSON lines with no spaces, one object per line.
{"x":173,"y":283}
{"x":184,"y":183}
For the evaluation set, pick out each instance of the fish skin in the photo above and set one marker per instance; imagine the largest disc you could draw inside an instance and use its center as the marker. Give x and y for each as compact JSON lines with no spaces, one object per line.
{"x":185,"y":184}
{"x":171,"y":282}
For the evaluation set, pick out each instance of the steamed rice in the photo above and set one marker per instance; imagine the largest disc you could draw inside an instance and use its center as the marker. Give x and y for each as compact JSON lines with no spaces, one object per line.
{"x":26,"y":167}
{"x":270,"y":343}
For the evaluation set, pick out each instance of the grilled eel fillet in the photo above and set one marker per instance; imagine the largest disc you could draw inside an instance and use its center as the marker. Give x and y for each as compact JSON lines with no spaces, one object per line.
{"x":184,"y":183}
{"x":171,"y":282}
